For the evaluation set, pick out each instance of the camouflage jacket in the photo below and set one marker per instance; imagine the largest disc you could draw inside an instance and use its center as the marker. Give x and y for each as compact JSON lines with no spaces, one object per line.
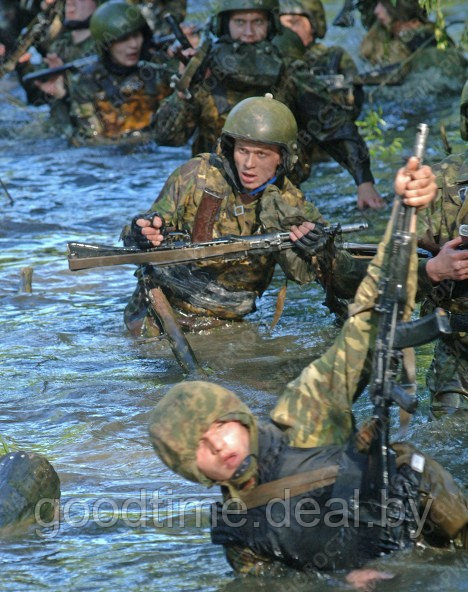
{"x":380,"y":46}
{"x":109,"y":104}
{"x":68,"y":51}
{"x":235,"y":71}
{"x":333,"y":62}
{"x":180,"y":199}
{"x":154,"y":11}
{"x":440,"y":223}
{"x":315,"y":409}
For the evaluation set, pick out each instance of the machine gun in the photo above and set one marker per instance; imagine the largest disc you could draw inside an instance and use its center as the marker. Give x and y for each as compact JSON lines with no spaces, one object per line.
{"x":392,"y":336}
{"x":34,"y":32}
{"x":175,"y":251}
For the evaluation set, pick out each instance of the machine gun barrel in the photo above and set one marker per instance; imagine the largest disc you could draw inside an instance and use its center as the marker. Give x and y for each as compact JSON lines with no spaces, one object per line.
{"x":85,"y":256}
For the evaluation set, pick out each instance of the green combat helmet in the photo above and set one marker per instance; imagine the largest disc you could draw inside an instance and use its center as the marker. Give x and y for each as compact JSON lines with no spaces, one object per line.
{"x":223,"y":7}
{"x":265,"y":120}
{"x":114,"y":20}
{"x":464,"y":113}
{"x":289,"y":44}
{"x":312,"y":9}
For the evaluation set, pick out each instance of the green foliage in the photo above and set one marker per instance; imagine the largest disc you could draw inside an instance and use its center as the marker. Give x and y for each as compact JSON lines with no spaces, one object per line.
{"x":440,"y":32}
{"x":372,"y":129}
{"x":4,"y":446}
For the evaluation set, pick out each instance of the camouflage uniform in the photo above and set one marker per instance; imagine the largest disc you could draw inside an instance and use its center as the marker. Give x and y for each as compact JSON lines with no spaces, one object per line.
{"x":449,"y":369}
{"x":313,"y":418}
{"x":234,"y":71}
{"x":323,"y":61}
{"x":222,"y":289}
{"x":333,"y":64}
{"x":154,"y":11}
{"x":108,"y":103}
{"x":411,"y":34}
{"x":68,"y":51}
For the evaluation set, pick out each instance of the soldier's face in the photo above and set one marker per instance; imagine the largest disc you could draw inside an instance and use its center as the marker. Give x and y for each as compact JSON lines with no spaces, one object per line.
{"x":222,"y":448}
{"x":79,"y":10}
{"x":382,"y":15}
{"x":301,"y":25}
{"x":126,"y":52}
{"x":256,"y":163}
{"x":249,"y":26}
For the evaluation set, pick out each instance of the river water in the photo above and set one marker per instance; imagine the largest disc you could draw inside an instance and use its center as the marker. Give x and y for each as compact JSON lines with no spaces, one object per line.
{"x":77,"y":388}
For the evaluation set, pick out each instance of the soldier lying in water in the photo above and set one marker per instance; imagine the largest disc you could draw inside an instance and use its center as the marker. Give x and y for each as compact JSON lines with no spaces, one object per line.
{"x":205,"y":433}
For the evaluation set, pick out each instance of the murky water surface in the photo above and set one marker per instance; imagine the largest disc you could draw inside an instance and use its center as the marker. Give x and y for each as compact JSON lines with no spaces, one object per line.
{"x":77,"y":388}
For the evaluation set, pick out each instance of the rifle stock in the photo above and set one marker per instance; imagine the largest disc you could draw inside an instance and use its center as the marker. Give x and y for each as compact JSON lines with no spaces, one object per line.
{"x":85,"y":256}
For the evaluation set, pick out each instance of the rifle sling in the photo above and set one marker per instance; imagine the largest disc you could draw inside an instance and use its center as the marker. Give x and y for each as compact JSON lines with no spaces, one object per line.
{"x":290,"y":486}
{"x":205,"y":217}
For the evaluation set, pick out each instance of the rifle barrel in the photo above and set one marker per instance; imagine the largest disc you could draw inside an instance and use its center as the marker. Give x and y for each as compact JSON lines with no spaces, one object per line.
{"x":49,"y":72}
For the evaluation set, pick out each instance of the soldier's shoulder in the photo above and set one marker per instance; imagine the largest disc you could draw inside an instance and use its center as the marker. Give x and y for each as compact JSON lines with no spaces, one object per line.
{"x":453,"y":169}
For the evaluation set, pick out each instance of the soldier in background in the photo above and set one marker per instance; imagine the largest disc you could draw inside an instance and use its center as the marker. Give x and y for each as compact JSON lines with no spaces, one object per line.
{"x":115,"y":98}
{"x":402,"y":30}
{"x":307,"y":19}
{"x":74,"y":42}
{"x":244,"y":62}
{"x":447,"y":272}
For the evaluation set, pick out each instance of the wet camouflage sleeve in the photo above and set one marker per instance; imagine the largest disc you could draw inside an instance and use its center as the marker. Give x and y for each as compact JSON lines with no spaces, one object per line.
{"x":176,"y":119}
{"x":316,"y":407}
{"x":448,"y":372}
{"x":322,"y":121}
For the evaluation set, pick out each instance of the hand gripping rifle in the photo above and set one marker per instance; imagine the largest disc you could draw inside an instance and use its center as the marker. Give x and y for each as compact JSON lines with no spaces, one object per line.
{"x":173,"y":252}
{"x":393,"y":336}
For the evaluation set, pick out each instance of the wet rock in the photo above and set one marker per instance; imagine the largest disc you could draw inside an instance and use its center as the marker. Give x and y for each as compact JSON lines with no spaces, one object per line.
{"x":26,"y":478}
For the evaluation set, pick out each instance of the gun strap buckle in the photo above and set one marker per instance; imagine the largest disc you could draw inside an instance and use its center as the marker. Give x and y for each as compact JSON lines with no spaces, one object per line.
{"x":239,"y":210}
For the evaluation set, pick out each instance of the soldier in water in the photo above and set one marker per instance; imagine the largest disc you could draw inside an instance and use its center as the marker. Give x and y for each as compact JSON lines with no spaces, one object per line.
{"x":244,"y":62}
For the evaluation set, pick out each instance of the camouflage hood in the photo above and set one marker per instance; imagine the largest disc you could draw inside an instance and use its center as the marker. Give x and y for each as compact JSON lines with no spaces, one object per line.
{"x":184,"y":414}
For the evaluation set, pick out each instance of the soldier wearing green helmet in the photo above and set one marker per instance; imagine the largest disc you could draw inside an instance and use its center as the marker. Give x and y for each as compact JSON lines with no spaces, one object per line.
{"x":244,"y":61}
{"x":289,"y":477}
{"x":447,"y":277}
{"x":242,"y":188}
{"x":114,"y":99}
{"x":333,"y":64}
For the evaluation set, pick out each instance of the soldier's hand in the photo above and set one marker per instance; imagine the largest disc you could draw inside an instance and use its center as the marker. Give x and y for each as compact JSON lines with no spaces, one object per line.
{"x":416,"y":184}
{"x":368,"y":197}
{"x":364,"y":579}
{"x":53,"y":60}
{"x":147,"y":231}
{"x":308,"y":237}
{"x":449,"y":264}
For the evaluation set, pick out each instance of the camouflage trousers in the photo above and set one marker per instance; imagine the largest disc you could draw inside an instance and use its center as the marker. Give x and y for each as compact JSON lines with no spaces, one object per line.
{"x":447,"y":377}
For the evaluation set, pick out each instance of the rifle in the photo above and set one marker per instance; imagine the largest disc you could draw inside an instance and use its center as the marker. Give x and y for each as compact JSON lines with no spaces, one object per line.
{"x":73,"y":66}
{"x":392,"y":336}
{"x":36,"y":29}
{"x":372,"y":77}
{"x":176,"y":251}
{"x":194,"y":66}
